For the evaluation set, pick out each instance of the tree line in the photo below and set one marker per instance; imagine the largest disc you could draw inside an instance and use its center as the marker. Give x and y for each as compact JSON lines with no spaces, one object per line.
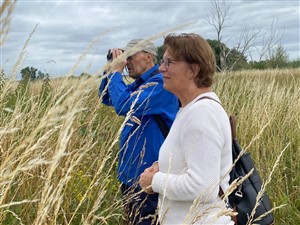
{"x":32,"y":74}
{"x":235,"y":60}
{"x":249,"y":40}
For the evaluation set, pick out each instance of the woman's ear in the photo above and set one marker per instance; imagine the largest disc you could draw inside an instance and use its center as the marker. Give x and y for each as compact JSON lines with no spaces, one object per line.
{"x":195,"y":69}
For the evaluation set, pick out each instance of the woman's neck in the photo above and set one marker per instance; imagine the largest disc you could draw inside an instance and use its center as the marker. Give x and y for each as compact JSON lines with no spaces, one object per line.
{"x":189,"y":96}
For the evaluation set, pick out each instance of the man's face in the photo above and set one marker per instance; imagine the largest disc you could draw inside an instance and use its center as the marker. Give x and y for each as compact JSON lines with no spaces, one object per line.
{"x":137,"y":64}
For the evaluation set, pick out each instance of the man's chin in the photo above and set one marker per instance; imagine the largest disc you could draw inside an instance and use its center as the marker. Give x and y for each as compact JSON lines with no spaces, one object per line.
{"x":134,"y":76}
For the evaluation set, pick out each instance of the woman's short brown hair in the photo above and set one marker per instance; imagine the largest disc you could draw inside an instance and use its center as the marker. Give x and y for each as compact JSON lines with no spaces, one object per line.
{"x":193,"y":49}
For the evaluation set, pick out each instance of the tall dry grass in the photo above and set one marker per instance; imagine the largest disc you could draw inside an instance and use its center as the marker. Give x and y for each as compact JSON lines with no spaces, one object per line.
{"x":57,"y":150}
{"x":58,"y":145}
{"x":58,"y":154}
{"x":269,"y":101}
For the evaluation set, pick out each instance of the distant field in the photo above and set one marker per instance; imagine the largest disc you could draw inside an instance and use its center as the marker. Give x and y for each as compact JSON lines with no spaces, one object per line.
{"x":58,"y":146}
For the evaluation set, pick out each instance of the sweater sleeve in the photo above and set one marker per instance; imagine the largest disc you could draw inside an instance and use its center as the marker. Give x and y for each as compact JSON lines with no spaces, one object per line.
{"x":201,"y":144}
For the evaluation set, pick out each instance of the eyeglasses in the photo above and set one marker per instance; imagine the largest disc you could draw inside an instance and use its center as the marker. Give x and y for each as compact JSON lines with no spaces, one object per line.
{"x":167,"y":62}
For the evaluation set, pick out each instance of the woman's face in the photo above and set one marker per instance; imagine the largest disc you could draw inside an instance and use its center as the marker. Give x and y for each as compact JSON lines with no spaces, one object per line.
{"x":175,"y":74}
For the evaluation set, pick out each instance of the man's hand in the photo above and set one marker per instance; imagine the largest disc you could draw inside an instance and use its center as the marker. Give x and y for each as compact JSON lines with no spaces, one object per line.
{"x":118,"y":62}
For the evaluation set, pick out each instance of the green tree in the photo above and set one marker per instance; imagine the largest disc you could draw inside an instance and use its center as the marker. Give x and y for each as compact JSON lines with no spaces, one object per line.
{"x":85,"y":75}
{"x":294,"y":63}
{"x":234,"y":59}
{"x":278,"y":58}
{"x":260,"y":65}
{"x":29,"y":73}
{"x":40,"y":75}
{"x":214,"y":44}
{"x":160,"y":53}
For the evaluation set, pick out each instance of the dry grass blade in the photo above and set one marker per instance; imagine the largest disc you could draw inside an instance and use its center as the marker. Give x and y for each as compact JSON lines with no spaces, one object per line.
{"x":6,"y":10}
{"x":17,"y":203}
{"x":15,"y":216}
{"x":84,"y":53}
{"x":263,"y":189}
{"x":19,"y":62}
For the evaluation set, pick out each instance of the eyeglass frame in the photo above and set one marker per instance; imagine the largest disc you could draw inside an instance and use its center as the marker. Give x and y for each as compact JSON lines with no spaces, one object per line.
{"x":167,"y":61}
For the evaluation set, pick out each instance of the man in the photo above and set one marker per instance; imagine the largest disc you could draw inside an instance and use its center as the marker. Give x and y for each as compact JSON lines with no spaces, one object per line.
{"x":148,"y":105}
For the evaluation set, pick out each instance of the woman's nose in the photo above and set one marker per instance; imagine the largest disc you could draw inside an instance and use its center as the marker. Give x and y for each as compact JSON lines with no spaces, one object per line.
{"x":162,"y":68}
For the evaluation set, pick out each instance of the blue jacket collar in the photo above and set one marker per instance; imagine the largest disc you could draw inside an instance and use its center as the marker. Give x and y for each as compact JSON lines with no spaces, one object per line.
{"x":145,"y":76}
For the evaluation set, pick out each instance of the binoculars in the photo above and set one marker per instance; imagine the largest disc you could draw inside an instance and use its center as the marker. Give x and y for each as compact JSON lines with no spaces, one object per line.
{"x":109,"y":55}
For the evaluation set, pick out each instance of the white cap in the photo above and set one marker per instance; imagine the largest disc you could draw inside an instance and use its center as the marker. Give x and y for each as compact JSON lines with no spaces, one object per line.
{"x":137,"y":45}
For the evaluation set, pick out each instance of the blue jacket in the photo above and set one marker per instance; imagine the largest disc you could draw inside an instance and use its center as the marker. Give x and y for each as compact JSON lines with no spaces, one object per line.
{"x":139,"y":144}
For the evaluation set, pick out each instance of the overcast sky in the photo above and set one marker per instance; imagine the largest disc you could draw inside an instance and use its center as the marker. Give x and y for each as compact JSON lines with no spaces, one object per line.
{"x":66,"y":29}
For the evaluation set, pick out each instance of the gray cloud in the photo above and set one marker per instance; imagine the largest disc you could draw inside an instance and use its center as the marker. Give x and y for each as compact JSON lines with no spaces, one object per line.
{"x":67,"y":28}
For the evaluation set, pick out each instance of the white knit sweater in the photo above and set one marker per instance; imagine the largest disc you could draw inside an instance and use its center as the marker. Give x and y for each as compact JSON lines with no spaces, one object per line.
{"x":194,"y":161}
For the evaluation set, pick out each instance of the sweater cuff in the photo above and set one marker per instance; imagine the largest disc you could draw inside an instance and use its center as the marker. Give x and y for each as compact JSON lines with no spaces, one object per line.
{"x":159,"y":182}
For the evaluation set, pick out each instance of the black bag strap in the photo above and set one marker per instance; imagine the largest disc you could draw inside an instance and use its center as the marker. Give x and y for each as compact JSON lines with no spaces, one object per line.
{"x":207,"y":97}
{"x":164,"y":129}
{"x":162,"y":125}
{"x":232,"y":118}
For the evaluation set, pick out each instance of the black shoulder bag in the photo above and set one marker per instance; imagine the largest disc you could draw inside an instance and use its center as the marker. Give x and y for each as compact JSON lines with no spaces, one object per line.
{"x":243,"y":198}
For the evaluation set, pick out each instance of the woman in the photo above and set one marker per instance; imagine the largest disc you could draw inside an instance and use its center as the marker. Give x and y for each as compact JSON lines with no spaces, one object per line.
{"x":195,"y":158}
